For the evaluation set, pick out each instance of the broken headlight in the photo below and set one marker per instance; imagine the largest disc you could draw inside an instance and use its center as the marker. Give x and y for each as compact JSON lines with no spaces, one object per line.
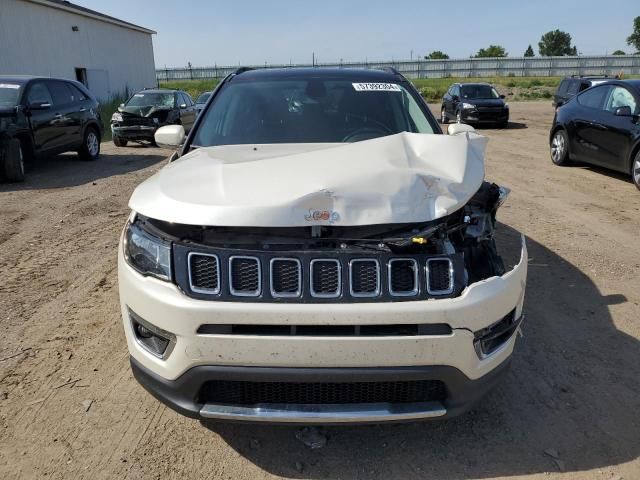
{"x":116,"y":117}
{"x":147,"y":254}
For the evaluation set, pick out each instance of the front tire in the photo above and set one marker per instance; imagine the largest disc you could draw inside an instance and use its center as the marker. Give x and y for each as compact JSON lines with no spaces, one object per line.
{"x":14,"y":161}
{"x":119,"y":142}
{"x":443,"y":117}
{"x":635,"y":170}
{"x":90,"y":149}
{"x":559,"y":148}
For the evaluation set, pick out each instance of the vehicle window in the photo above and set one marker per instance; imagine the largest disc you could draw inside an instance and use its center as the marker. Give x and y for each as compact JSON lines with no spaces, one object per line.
{"x":151,"y":99}
{"x":479,"y":92}
{"x":620,"y":97}
{"x":9,"y":94}
{"x":184,"y":98}
{"x":456,"y":90}
{"x":203,"y":98}
{"x":60,"y":92}
{"x":573,"y":87}
{"x":188,"y":97}
{"x":593,"y":97}
{"x":308,"y":111}
{"x":76,"y":93}
{"x":562,"y":89}
{"x":39,"y":93}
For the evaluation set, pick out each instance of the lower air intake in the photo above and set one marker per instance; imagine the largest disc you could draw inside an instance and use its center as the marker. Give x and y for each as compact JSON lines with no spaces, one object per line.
{"x":253,"y":393}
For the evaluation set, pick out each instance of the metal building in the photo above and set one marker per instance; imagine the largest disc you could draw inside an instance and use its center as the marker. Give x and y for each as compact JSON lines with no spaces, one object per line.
{"x":57,"y":38}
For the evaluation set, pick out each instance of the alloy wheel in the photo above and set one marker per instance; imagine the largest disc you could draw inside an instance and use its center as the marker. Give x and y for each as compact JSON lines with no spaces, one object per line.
{"x":92,"y":144}
{"x":557,"y":147}
{"x":636,"y":170}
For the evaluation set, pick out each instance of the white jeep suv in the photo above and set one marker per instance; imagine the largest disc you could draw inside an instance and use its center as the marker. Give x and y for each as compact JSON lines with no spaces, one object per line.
{"x":318,"y":252}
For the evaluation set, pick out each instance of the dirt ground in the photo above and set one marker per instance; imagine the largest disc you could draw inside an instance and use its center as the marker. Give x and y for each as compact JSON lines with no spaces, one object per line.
{"x":567,"y":410}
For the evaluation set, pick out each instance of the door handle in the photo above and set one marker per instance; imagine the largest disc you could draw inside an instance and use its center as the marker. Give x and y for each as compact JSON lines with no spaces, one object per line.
{"x":597,"y":125}
{"x":83,"y":109}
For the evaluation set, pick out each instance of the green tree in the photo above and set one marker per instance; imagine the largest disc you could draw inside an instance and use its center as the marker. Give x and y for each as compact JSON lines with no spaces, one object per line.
{"x":437,"y":55}
{"x":634,"y":38}
{"x":619,"y":52}
{"x":555,"y":44}
{"x":529,"y":52}
{"x":491,"y":51}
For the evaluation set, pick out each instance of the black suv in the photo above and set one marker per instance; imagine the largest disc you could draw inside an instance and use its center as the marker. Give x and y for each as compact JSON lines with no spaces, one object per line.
{"x":42,"y":117}
{"x":139,"y":118}
{"x":474,"y":103}
{"x":571,"y":86}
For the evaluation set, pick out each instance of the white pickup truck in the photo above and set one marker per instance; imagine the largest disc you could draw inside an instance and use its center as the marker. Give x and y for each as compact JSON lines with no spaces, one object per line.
{"x":318,"y":252}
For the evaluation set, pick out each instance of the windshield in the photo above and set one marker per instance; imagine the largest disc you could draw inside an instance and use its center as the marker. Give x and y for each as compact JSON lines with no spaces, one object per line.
{"x":309,"y":111}
{"x":203,"y":98}
{"x":9,"y":94}
{"x":151,"y":100}
{"x":479,"y":92}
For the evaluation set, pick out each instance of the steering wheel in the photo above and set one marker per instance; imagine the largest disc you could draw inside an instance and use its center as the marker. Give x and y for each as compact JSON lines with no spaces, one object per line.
{"x":365,"y":133}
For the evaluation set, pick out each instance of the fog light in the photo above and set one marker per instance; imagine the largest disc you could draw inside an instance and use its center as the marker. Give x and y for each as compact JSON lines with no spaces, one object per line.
{"x":156,"y":341}
{"x":489,"y":339}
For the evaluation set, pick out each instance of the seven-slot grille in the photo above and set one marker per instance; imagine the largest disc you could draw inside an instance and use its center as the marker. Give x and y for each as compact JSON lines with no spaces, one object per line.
{"x":302,"y":278}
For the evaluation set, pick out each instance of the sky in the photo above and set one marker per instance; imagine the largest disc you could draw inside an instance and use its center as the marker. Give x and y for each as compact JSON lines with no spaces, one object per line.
{"x":232,"y":32}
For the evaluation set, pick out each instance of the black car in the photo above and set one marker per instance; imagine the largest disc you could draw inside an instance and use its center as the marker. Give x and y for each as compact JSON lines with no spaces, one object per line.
{"x":201,"y":101}
{"x":571,"y":86}
{"x":474,"y":103}
{"x":600,"y":126}
{"x":45,"y":116}
{"x":139,"y":118}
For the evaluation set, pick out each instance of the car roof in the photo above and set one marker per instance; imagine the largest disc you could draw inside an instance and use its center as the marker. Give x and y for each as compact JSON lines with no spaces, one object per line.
{"x":23,"y":79}
{"x":296,"y":73}
{"x":159,"y":90}
{"x":473,"y":84}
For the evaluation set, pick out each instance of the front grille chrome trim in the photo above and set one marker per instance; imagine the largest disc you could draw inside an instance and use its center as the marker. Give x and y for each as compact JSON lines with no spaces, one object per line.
{"x":409,"y":293}
{"x":245,"y":293}
{"x":295,"y":294}
{"x":206,"y":291}
{"x":447,"y":291}
{"x":311,"y":286}
{"x":378,"y":289}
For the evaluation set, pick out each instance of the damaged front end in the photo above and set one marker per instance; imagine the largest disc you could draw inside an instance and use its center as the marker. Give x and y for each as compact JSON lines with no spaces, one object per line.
{"x":140,"y":123}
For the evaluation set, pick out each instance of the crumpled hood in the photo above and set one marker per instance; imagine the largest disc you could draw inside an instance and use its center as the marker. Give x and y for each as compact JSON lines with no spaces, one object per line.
{"x":142,"y":111}
{"x":400,"y":178}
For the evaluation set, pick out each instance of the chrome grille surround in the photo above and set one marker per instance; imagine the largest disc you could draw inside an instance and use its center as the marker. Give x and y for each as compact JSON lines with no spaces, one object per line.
{"x":364,"y":294}
{"x":245,"y":293}
{"x":192,"y":286}
{"x":431,"y":271}
{"x":272,"y":279}
{"x":416,"y":283}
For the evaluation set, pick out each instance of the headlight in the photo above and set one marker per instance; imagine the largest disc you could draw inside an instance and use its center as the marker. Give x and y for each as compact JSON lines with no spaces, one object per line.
{"x":468,"y":106}
{"x":147,"y":254}
{"x":116,"y":117}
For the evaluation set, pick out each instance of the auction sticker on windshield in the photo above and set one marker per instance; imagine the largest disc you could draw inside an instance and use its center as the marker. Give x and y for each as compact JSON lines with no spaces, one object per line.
{"x":376,"y":87}
{"x":9,"y":85}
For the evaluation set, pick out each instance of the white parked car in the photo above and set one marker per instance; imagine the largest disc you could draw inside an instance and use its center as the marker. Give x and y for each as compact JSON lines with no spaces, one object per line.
{"x":318,"y":252}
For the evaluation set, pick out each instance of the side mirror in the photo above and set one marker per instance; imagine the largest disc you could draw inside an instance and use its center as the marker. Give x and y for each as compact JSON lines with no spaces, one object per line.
{"x":121,"y":105}
{"x":455,"y":98}
{"x":457,"y":128}
{"x":183,"y":106}
{"x":39,"y":106}
{"x":170,"y":136}
{"x":624,"y":111}
{"x":503,"y":96}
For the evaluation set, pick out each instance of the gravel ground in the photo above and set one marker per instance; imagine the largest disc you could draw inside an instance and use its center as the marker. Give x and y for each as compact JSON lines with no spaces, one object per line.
{"x":70,"y":408}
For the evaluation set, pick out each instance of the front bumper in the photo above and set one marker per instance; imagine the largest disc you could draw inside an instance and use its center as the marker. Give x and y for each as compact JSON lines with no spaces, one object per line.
{"x":480,"y":117}
{"x":182,"y":394}
{"x":197,"y":358}
{"x":134,"y":132}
